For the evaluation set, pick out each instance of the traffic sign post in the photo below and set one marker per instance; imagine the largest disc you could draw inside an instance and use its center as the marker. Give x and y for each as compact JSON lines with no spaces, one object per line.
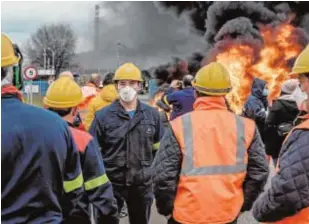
{"x":30,"y":73}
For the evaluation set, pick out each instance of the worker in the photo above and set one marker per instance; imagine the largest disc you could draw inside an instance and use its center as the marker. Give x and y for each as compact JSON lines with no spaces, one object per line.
{"x":41,"y":174}
{"x":127,"y":131}
{"x":280,"y":118}
{"x":211,"y":164}
{"x":107,"y":95}
{"x":63,"y":98}
{"x":287,"y":200}
{"x":90,"y":91}
{"x":255,"y":107}
{"x":182,"y":100}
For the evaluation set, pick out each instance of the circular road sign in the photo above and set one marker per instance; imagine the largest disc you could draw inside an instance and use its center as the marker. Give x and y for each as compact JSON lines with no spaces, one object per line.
{"x":30,"y":72}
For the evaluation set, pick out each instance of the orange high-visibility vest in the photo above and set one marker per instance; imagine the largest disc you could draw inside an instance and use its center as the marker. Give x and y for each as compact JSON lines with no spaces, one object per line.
{"x":301,"y":217}
{"x":81,"y":138}
{"x":214,"y":144}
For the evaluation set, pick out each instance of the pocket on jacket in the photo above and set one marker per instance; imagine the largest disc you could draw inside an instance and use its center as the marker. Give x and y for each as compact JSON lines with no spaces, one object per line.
{"x":148,"y":127}
{"x":146,"y":171}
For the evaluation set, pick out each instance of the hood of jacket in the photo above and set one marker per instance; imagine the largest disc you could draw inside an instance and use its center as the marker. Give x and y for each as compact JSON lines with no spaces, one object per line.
{"x":257,"y":88}
{"x":288,"y":105}
{"x":109,"y":93}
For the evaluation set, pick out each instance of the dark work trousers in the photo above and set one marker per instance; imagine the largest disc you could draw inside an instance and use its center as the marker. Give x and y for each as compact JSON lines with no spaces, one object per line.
{"x":172,"y":221}
{"x":138,"y":199}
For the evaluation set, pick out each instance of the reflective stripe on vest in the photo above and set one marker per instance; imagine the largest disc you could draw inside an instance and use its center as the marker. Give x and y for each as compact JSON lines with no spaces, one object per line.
{"x":214,"y":146}
{"x":188,"y":168}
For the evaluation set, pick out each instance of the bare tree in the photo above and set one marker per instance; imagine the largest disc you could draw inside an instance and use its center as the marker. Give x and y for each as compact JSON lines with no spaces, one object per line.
{"x":57,"y":42}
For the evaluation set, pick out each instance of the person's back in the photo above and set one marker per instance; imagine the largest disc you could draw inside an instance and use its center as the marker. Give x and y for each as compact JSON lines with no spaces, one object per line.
{"x":255,"y":108}
{"x":34,"y":148}
{"x":280,"y":119}
{"x":214,"y":127}
{"x":41,"y":175}
{"x":211,"y":163}
{"x":106,"y":96}
{"x":181,"y":100}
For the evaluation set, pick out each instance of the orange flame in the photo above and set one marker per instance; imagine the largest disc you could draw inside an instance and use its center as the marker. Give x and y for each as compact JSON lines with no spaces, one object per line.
{"x":154,"y":100}
{"x":280,"y":45}
{"x":237,"y":59}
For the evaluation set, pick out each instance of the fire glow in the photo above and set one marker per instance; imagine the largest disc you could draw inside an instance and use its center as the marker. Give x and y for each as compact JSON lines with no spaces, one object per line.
{"x":271,"y":65}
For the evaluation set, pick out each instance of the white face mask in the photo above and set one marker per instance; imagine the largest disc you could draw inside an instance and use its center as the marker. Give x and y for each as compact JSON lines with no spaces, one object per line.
{"x":127,"y":94}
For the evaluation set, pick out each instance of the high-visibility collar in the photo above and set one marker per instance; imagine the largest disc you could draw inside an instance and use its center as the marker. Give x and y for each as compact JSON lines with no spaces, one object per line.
{"x":210,"y":103}
{"x":11,"y":90}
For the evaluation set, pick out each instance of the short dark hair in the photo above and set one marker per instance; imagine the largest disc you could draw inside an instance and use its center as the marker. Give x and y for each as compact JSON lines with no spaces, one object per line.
{"x":61,"y":112}
{"x":200,"y":94}
{"x":3,"y":73}
{"x":108,"y":78}
{"x":306,"y":74}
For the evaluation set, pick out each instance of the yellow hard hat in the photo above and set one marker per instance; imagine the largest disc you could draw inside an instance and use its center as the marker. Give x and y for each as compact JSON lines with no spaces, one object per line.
{"x":213,"y":79}
{"x":128,"y":71}
{"x":63,"y":93}
{"x":8,"y":55}
{"x":66,"y":74}
{"x":301,"y":64}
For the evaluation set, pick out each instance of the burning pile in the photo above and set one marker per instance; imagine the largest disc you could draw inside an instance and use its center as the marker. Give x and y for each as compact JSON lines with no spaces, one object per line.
{"x":252,"y":39}
{"x":269,"y":62}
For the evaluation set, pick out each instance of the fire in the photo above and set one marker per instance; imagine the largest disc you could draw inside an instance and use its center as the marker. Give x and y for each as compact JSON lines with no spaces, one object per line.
{"x":155,"y":99}
{"x":270,"y":64}
{"x":240,"y":79}
{"x":280,"y":46}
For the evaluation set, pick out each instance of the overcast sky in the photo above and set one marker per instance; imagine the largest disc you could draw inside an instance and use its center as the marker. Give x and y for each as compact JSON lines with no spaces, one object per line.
{"x":20,"y":19}
{"x":148,"y":34}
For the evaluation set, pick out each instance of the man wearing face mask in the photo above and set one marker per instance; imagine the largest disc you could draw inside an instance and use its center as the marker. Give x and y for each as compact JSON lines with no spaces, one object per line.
{"x":128,"y":131}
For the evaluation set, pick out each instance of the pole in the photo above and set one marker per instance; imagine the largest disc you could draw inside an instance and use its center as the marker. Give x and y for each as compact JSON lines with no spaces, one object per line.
{"x":117,"y":53}
{"x":44,"y":55}
{"x":48,"y":64}
{"x":31,"y":93}
{"x":54,"y":67}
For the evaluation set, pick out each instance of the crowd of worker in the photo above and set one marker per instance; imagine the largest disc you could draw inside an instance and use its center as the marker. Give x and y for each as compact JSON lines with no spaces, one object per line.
{"x":91,"y":150}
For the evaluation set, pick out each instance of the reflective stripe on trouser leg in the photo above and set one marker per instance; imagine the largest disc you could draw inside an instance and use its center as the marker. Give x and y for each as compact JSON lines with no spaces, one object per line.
{"x":188,"y":168}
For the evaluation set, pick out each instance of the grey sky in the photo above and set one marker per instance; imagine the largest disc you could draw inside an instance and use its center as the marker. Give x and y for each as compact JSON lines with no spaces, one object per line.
{"x":20,"y":19}
{"x":150,"y":36}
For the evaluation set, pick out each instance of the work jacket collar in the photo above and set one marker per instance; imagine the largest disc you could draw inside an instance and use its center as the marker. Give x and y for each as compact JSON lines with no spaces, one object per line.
{"x":116,"y":106}
{"x":10,"y":91}
{"x":210,"y":103}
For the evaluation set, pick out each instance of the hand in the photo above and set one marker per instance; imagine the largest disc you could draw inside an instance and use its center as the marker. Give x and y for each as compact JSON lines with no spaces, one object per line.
{"x":175,"y":84}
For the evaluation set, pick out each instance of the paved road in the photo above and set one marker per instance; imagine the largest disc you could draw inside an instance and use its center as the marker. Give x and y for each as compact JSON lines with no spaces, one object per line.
{"x":245,"y":218}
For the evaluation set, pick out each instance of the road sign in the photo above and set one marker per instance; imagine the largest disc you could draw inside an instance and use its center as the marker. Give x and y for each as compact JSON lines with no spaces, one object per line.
{"x":30,"y":72}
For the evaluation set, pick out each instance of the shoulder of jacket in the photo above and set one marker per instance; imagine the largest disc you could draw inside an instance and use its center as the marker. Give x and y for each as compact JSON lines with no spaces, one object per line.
{"x":45,"y":115}
{"x":105,"y":111}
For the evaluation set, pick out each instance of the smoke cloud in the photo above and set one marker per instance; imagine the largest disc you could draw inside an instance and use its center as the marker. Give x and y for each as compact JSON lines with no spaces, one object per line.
{"x":142,"y":33}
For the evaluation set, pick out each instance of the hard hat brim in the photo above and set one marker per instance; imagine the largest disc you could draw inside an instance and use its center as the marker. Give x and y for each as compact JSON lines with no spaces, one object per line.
{"x":212,"y":92}
{"x":61,"y":105}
